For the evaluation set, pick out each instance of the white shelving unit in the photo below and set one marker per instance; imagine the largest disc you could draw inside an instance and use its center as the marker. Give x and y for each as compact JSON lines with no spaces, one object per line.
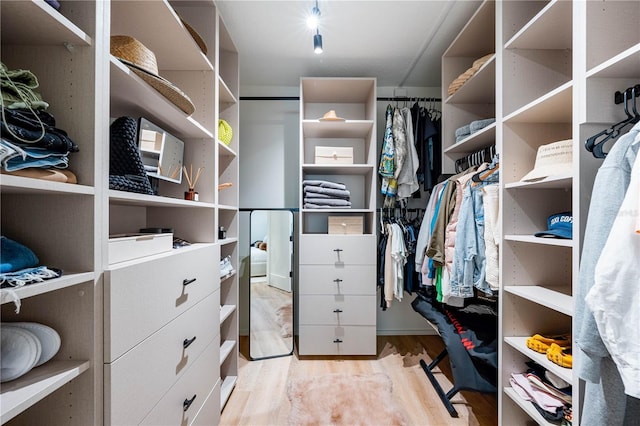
{"x":103,"y":337}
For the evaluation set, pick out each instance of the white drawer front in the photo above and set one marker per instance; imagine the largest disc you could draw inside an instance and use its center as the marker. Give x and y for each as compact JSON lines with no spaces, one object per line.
{"x":138,"y":379}
{"x":209,"y":413}
{"x":190,"y":391}
{"x":141,"y":298}
{"x":329,"y":340}
{"x":337,"y":310}
{"x":338,"y":250}
{"x":327,"y":279}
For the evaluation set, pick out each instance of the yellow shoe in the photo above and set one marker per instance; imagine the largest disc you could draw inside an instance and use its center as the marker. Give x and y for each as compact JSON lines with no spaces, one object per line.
{"x":561,"y":356}
{"x":540,"y":343}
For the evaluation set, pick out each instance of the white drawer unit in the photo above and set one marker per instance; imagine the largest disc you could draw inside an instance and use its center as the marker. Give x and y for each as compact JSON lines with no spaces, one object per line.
{"x":337,"y":250}
{"x":328,"y":279}
{"x":149,"y":294}
{"x":136,"y":381}
{"x":209,"y":413}
{"x":338,"y":310}
{"x":332,"y":340}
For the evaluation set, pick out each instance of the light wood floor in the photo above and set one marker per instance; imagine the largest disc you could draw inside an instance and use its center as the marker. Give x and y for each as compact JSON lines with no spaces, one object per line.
{"x":260,"y":397}
{"x":266,"y":332}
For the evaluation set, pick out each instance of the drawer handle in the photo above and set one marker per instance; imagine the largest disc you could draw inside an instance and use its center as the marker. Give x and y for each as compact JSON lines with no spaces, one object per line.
{"x":187,"y":403}
{"x":337,"y":311}
{"x":337,"y":281}
{"x":337,"y":341}
{"x":337,"y":250}
{"x":186,"y":281}
{"x":187,"y":342}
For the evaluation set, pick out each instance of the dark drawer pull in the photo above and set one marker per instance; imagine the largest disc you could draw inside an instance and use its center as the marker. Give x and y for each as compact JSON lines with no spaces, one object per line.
{"x":337,"y":281}
{"x":337,"y":250}
{"x":186,"y":281}
{"x":337,"y":311}
{"x":187,"y":342}
{"x":187,"y":403}
{"x":337,"y":341}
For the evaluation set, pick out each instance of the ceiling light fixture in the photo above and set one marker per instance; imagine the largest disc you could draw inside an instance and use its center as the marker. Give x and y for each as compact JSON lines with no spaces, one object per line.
{"x":317,"y":43}
{"x":314,"y":19}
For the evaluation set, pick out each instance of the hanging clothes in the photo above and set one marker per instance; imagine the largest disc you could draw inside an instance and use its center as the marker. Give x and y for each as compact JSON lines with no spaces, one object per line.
{"x":388,"y":160}
{"x":407,"y":179}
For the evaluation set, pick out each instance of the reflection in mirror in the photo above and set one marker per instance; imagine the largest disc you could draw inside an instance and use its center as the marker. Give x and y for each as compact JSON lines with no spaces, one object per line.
{"x":271,"y":294}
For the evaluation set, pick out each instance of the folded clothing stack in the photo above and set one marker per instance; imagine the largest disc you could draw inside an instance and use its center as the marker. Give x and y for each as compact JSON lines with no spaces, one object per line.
{"x":462,"y":78}
{"x":473,"y":127}
{"x":321,"y":194}
{"x":18,"y":265}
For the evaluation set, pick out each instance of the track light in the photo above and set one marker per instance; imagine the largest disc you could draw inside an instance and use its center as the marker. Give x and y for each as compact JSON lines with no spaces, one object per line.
{"x":314,"y":19}
{"x":317,"y":43}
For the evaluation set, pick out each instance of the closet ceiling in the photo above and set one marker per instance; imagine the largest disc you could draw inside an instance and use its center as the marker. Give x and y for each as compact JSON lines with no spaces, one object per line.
{"x":399,"y":42}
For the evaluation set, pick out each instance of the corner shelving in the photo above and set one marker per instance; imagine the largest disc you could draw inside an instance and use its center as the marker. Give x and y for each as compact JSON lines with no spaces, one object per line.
{"x":520,"y":344}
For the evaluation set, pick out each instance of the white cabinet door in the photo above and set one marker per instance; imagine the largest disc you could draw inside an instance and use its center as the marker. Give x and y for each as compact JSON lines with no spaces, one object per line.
{"x":338,"y":250}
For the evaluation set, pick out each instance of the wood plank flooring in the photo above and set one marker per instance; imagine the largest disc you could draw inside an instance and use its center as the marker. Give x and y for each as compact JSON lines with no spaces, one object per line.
{"x":260,"y":397}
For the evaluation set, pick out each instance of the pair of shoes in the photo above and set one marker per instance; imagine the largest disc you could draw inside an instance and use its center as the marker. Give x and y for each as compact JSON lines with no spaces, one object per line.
{"x":540,"y":343}
{"x":225,"y":267}
{"x":560,"y":355}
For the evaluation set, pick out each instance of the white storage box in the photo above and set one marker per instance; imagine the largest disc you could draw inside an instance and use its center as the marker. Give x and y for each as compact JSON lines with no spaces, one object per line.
{"x":346,"y":225}
{"x":334,"y":155}
{"x":123,"y":247}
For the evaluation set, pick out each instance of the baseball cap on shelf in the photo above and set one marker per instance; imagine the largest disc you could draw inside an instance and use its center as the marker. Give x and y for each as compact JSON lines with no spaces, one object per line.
{"x":559,"y":225}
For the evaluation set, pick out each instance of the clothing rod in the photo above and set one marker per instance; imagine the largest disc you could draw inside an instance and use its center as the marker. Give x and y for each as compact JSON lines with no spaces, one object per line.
{"x":410,"y":99}
{"x":297,"y":98}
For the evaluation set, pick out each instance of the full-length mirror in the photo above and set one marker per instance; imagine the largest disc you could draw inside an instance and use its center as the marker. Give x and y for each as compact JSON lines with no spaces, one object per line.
{"x":271,"y":291}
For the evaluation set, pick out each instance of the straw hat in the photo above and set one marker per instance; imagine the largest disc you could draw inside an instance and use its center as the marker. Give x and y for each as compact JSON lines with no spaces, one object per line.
{"x":331,"y":116}
{"x":142,"y":61}
{"x":551,"y":160}
{"x":196,"y":37}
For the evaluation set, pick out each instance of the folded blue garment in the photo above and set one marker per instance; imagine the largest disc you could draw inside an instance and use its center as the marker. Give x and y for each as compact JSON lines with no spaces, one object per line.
{"x":17,"y":157}
{"x":463,"y":131}
{"x":15,"y":256}
{"x":324,"y":184}
{"x":480,"y":124}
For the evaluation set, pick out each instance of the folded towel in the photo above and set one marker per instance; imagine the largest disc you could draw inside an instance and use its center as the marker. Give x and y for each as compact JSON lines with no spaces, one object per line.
{"x":15,"y":256}
{"x":324,"y":184}
{"x":477,"y":125}
{"x":335,"y":193}
{"x":463,"y":131}
{"x":317,"y":206}
{"x":327,"y":201}
{"x":461,"y":138}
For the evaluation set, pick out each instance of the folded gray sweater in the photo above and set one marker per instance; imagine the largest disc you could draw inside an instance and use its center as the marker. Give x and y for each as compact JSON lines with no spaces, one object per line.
{"x":319,"y":206}
{"x":310,"y":191}
{"x":324,"y":184}
{"x":327,"y":201}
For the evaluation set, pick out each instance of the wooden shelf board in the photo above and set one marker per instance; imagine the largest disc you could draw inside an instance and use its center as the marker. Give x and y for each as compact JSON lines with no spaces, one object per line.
{"x":225,"y":150}
{"x":37,"y":23}
{"x":539,"y":240}
{"x":551,"y":297}
{"x":520,"y":344}
{"x":226,"y":311}
{"x":336,"y":129}
{"x":553,"y":182}
{"x":473,"y":39}
{"x":226,"y":95}
{"x":337,"y":169}
{"x":480,"y":139}
{"x":337,"y":90}
{"x":69,"y":279}
{"x":228,"y":384}
{"x":526,"y":406}
{"x":20,"y":394}
{"x":173,"y":47}
{"x":144,"y":200}
{"x":337,"y":210}
{"x":228,"y":241}
{"x":225,"y":277}
{"x":227,"y":207}
{"x":547,"y":30}
{"x":553,"y":107}
{"x":132,"y":96}
{"x":480,"y":88}
{"x":225,"y":349}
{"x":24,"y":185}
{"x":623,"y":65}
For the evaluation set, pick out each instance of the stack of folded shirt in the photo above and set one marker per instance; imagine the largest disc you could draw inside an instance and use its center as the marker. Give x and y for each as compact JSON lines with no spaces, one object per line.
{"x":31,"y":144}
{"x":471,"y":128}
{"x":321,"y":194}
{"x":462,"y":78}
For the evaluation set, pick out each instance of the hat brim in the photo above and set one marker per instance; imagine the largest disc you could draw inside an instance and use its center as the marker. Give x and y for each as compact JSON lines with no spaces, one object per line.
{"x":555,"y":233}
{"x":545,"y":172}
{"x":331,"y":119}
{"x":164,"y":87}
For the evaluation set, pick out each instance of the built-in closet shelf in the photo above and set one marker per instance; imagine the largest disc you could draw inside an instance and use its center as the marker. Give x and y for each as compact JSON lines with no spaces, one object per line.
{"x":225,"y":349}
{"x":143,"y":200}
{"x":547,"y":30}
{"x":173,"y":47}
{"x":37,"y":23}
{"x":22,"y":185}
{"x":551,"y":297}
{"x":473,"y":39}
{"x":527,"y":407}
{"x":132,"y":94}
{"x":227,"y":386}
{"x":227,"y":241}
{"x":338,"y":210}
{"x":225,"y":151}
{"x":20,"y":394}
{"x":338,"y":169}
{"x":553,"y":182}
{"x":480,"y":139}
{"x":539,"y":240}
{"x":336,"y":129}
{"x":480,"y":88}
{"x":69,"y":279}
{"x":553,"y":107}
{"x":226,"y":277}
{"x":226,"y":311}
{"x":520,"y":344}
{"x":227,"y":207}
{"x":623,"y":65}
{"x":226,"y":95}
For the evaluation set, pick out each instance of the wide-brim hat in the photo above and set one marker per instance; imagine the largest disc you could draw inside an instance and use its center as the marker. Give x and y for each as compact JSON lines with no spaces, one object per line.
{"x":552,"y":160}
{"x":195,"y":35}
{"x":331,"y":116}
{"x":142,"y":61}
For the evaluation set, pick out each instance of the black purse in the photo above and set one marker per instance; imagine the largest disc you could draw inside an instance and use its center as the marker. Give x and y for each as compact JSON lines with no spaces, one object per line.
{"x":126,"y":170}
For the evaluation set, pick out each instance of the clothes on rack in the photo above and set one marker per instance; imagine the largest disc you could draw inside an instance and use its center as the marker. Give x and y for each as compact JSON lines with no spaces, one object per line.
{"x":427,"y":130}
{"x":605,"y":401}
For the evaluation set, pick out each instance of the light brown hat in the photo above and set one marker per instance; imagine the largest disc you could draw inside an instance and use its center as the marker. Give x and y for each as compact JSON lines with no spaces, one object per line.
{"x":331,"y":116}
{"x":551,"y":160}
{"x":195,"y":35}
{"x":142,"y":61}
